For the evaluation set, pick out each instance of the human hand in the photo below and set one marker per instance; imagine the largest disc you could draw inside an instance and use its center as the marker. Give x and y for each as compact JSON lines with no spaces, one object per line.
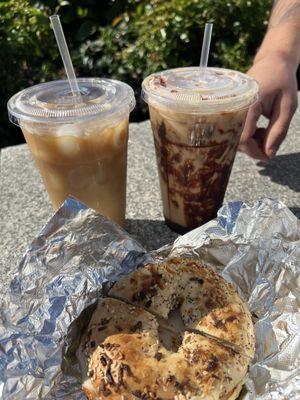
{"x":277,"y":101}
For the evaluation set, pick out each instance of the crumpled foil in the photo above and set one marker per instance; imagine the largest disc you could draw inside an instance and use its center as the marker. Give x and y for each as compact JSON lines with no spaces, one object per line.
{"x":79,"y":253}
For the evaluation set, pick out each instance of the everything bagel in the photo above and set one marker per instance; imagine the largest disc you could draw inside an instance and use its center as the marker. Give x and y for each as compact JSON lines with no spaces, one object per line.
{"x":141,"y":341}
{"x":203,"y":298}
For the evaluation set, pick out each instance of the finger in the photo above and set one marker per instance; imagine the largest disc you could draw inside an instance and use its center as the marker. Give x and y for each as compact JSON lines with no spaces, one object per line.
{"x":251,"y":141}
{"x":283,"y":111}
{"x":253,"y":146}
{"x":250,"y":125}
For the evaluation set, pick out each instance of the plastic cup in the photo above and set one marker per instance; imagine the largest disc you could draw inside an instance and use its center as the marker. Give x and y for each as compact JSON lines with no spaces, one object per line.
{"x":196,"y":122}
{"x":80,"y":149}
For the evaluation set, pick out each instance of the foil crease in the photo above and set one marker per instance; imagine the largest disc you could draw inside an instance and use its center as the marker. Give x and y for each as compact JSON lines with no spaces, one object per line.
{"x":79,"y":253}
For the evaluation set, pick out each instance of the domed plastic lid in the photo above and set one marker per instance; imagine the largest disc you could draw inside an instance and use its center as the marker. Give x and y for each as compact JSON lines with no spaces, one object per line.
{"x":189,"y":90}
{"x":54,"y":101}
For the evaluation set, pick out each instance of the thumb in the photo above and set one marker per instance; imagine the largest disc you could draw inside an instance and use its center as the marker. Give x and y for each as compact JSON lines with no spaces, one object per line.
{"x":253,"y":147}
{"x":251,"y":120}
{"x":251,"y":142}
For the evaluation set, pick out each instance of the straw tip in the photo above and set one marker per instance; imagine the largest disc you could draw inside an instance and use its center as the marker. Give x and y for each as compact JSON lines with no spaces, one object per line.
{"x":54,"y":20}
{"x":209,"y":25}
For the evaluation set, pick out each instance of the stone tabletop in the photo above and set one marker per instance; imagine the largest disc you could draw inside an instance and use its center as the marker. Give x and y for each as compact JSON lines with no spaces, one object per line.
{"x":25,"y":208}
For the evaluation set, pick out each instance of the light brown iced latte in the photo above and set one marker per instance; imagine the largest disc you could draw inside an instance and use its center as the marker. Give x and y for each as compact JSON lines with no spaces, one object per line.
{"x":196,"y":138}
{"x":90,"y":166}
{"x":79,"y":148}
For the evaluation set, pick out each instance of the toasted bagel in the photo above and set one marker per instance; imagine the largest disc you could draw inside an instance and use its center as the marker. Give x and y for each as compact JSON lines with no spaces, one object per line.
{"x":128,"y":353}
{"x":205,"y":301}
{"x":122,"y":354}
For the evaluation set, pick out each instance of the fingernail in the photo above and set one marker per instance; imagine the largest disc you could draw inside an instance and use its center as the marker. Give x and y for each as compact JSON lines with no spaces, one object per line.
{"x":272,"y":151}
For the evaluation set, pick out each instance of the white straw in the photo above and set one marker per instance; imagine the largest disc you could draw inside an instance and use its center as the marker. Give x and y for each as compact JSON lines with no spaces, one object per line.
{"x":205,"y":47}
{"x":65,"y":55}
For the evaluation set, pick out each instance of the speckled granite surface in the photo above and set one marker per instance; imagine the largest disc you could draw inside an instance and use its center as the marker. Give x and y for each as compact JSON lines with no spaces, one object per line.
{"x":25,"y":207}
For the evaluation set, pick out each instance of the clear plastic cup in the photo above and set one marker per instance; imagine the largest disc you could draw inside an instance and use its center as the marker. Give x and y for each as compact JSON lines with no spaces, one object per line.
{"x":197,"y":120}
{"x":80,"y":149}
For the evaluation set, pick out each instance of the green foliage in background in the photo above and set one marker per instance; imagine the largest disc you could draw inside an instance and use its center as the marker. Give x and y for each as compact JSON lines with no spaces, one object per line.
{"x":123,"y":39}
{"x":159,"y":34}
{"x":27,"y":55}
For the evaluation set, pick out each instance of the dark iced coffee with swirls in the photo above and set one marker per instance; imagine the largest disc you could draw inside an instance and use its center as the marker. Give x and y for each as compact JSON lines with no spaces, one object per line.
{"x":197,"y":122}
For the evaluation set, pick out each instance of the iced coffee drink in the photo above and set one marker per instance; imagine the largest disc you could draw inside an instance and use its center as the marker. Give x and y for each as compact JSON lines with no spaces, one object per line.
{"x":197,"y":122}
{"x":79,"y":148}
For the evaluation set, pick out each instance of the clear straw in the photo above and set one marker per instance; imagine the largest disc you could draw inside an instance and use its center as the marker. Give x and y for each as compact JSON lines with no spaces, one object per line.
{"x":205,"y":48}
{"x":65,"y":55}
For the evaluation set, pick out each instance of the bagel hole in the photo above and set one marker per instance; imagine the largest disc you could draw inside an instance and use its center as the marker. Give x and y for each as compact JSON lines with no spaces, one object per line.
{"x":171,"y":331}
{"x":175,"y":320}
{"x":171,"y":340}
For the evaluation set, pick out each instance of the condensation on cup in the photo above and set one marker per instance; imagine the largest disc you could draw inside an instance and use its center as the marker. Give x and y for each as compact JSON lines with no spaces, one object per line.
{"x":80,"y":148}
{"x":197,"y":118}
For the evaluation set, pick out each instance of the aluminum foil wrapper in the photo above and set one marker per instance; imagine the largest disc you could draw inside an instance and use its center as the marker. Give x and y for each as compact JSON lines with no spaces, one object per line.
{"x":78,"y":255}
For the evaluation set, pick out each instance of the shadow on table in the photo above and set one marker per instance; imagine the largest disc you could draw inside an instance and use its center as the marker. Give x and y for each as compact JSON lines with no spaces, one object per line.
{"x":152,"y":234}
{"x":284,"y":169}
